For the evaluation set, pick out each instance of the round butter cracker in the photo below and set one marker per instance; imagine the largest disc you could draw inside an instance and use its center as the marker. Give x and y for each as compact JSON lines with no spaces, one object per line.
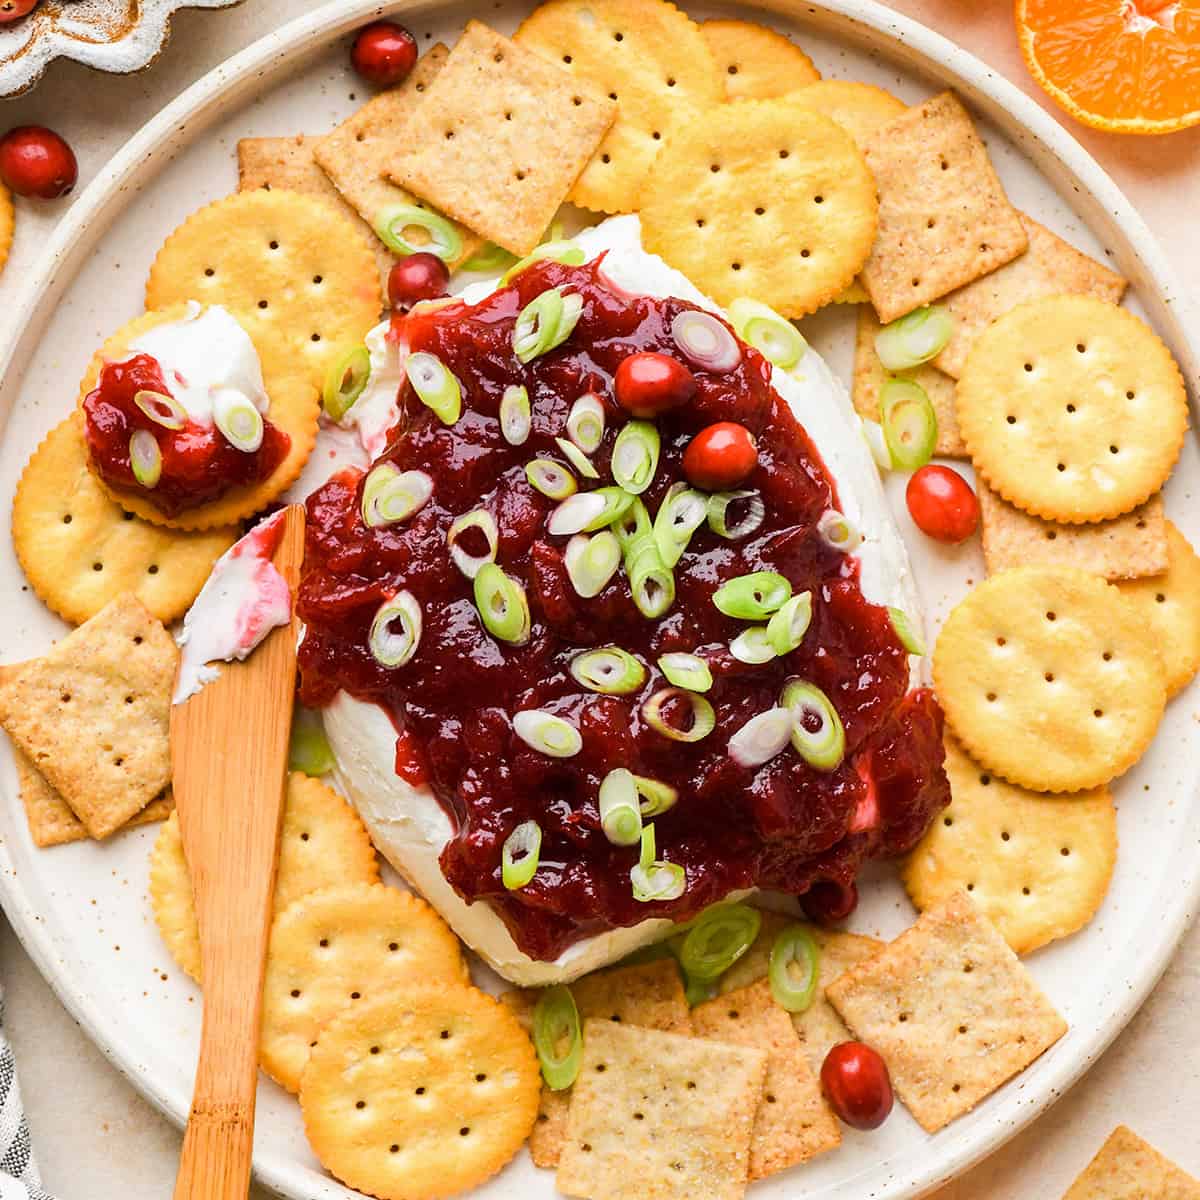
{"x":1050,"y":678}
{"x":295,"y":406}
{"x":1038,"y":866}
{"x":79,"y":549}
{"x":756,"y":63}
{"x":421,"y":1092}
{"x":861,"y":109}
{"x":1072,"y":408}
{"x":762,"y":198}
{"x":1170,"y":606}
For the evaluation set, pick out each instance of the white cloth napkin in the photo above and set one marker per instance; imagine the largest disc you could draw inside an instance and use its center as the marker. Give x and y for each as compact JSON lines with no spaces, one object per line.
{"x":19,"y":1178}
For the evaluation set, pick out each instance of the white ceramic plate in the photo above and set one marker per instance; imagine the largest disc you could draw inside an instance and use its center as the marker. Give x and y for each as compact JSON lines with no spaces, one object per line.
{"x":82,"y":911}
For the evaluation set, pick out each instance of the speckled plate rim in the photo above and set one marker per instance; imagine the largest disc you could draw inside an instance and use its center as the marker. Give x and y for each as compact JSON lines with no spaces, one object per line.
{"x":1060,"y":158}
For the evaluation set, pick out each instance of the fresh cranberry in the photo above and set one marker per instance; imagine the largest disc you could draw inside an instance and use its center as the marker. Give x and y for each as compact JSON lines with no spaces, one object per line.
{"x":942,"y":504}
{"x":384,"y":53}
{"x":828,"y":902}
{"x":857,"y":1083}
{"x":14,"y":10}
{"x":648,"y":383}
{"x":720,"y":457}
{"x":420,"y":276}
{"x":35,"y":161}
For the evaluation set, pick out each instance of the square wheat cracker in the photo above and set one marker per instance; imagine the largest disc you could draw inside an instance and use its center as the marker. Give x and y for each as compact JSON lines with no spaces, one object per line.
{"x":501,"y":137}
{"x":660,"y":1116}
{"x":793,"y":1122}
{"x":1128,"y":547}
{"x":870,"y":375}
{"x":1050,"y":267}
{"x":951,"y":1009}
{"x":1128,"y":1168}
{"x":649,"y":995}
{"x":944,"y":219}
{"x":91,"y":714}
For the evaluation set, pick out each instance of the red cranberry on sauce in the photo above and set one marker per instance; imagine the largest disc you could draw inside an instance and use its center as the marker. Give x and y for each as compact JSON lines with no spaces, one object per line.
{"x":35,"y":161}
{"x":857,"y":1083}
{"x":828,"y":902}
{"x":383,"y":53}
{"x":14,"y":10}
{"x":648,"y":383}
{"x":420,"y":276}
{"x":942,"y":504}
{"x":720,"y":457}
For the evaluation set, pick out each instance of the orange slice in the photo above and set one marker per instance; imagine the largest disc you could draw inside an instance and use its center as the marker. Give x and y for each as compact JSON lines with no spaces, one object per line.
{"x":1127,"y":66}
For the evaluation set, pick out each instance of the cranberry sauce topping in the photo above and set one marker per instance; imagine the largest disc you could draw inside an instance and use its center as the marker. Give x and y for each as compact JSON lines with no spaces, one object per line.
{"x":783,"y":825}
{"x":198,"y":463}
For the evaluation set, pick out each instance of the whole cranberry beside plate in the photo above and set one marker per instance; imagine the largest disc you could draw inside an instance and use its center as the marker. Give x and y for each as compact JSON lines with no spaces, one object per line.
{"x":35,"y":161}
{"x":384,"y":53}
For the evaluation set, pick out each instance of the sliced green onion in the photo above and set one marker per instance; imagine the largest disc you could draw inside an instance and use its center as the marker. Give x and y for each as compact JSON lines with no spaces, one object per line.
{"x":547,"y":734}
{"x":633,"y":525}
{"x":872,"y":433}
{"x":649,"y":847}
{"x":435,"y":385}
{"x":686,"y":671}
{"x":838,"y":532}
{"x":308,"y":749}
{"x":145,"y":458}
{"x":576,"y":513}
{"x":651,"y":581}
{"x":391,"y":495}
{"x":635,"y":456}
{"x":705,"y":340}
{"x":753,"y":597}
{"x":620,"y":813}
{"x":795,"y":969}
{"x":817,"y":731}
{"x":391,"y":647}
{"x":502,"y":605}
{"x":698,"y":991}
{"x":577,"y":458}
{"x":489,"y":257}
{"x":344,"y":381}
{"x":914,"y":339}
{"x":653,"y":879}
{"x":609,"y":670}
{"x":656,"y":797}
{"x":471,"y":564}
{"x":701,"y":722}
{"x":237,"y":418}
{"x":550,"y":478}
{"x":753,"y":646}
{"x":719,"y":504}
{"x":786,"y":629}
{"x":719,"y":936}
{"x":910,"y":426}
{"x":162,"y":409}
{"x":592,"y":561}
{"x":393,"y":224}
{"x":761,"y":738}
{"x":909,"y":635}
{"x":560,"y":251}
{"x":680,"y":514}
{"x":777,"y":340}
{"x":520,"y":855}
{"x":516,"y":418}
{"x":557,"y":1037}
{"x":545,"y":322}
{"x":585,"y":423}
{"x":617,"y":502}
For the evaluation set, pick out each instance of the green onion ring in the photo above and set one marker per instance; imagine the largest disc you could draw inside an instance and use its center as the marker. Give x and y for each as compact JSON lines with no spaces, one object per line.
{"x":547,"y":734}
{"x":651,"y":581}
{"x":489,"y":257}
{"x":608,"y":670}
{"x":838,"y":532}
{"x":308,"y":748}
{"x":390,"y":495}
{"x":794,"y":945}
{"x":516,"y":416}
{"x":145,"y":458}
{"x":558,"y":1037}
{"x":577,"y":458}
{"x":822,"y":747}
{"x":591,"y":561}
{"x":392,"y":649}
{"x":237,"y":418}
{"x":652,"y":879}
{"x":753,"y":597}
{"x":520,"y":855}
{"x":914,"y":339}
{"x":705,"y":340}
{"x":345,"y":380}
{"x":550,"y":478}
{"x":560,"y":251}
{"x":502,"y":605}
{"x":698,"y":991}
{"x":585,"y":423}
{"x":435,"y":385}
{"x":617,"y":503}
{"x":703,"y":717}
{"x":719,"y":936}
{"x":719,"y":504}
{"x":576,"y":513}
{"x":872,"y":433}
{"x":752,"y":646}
{"x":545,"y":322}
{"x":910,"y":426}
{"x":786,"y":629}
{"x":392,"y":223}
{"x":656,"y":797}
{"x":481,"y":519}
{"x":681,"y":513}
{"x":777,"y":340}
{"x":688,"y":671}
{"x":908,"y":633}
{"x":633,"y":525}
{"x":162,"y":409}
{"x":635,"y":456}
{"x":620,"y":812}
{"x":761,"y":738}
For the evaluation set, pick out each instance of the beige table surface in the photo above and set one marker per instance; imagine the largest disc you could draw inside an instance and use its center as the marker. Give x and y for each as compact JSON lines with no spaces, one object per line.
{"x":93,"y":1134}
